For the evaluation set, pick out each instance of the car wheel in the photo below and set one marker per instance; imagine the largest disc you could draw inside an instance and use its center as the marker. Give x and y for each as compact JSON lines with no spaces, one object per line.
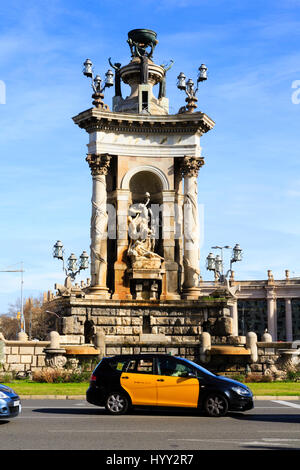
{"x":117,"y":403}
{"x":216,"y":405}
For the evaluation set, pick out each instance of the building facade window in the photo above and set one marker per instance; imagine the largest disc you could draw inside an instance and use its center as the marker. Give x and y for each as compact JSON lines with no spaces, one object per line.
{"x":281,"y":325}
{"x":296,"y":318}
{"x":252,"y":316}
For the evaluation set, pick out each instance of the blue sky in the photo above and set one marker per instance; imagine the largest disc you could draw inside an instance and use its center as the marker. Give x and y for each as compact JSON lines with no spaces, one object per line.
{"x":249,"y":187}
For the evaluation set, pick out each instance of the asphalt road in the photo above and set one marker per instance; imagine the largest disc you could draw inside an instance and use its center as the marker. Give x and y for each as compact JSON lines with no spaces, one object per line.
{"x":76,"y":425}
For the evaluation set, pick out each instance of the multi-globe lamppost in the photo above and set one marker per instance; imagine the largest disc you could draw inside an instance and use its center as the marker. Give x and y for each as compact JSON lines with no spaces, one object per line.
{"x":215,"y":262}
{"x":188,"y":87}
{"x":72,"y":269}
{"x":97,"y":83}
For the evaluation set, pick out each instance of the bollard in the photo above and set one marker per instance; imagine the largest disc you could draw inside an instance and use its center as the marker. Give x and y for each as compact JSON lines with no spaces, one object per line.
{"x":54,"y":340}
{"x":205,"y":346}
{"x":266,"y":337}
{"x":22,"y":336}
{"x":99,"y":342}
{"x":251,"y":343}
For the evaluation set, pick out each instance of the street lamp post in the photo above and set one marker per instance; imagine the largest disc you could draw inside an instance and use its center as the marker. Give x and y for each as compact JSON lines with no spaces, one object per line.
{"x":188,"y":87}
{"x":71,"y":270}
{"x":97,"y":83}
{"x":216,"y":263}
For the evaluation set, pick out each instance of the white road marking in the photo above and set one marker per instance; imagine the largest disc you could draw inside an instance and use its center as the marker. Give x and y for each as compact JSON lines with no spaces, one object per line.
{"x":286,"y":403}
{"x":263,"y":442}
{"x":280,"y":431}
{"x":112,"y":430}
{"x":278,"y":439}
{"x":270,"y":439}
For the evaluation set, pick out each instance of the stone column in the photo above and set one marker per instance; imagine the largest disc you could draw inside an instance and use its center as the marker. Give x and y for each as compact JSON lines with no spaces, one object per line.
{"x":272,"y":315}
{"x":99,"y":165}
{"x":191,"y":257}
{"x":288,"y":320}
{"x":233,"y":307}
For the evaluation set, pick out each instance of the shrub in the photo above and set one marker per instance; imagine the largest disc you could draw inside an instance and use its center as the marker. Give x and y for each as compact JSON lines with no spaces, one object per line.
{"x":6,"y":377}
{"x":60,"y":376}
{"x":294,"y":376}
{"x":48,"y":376}
{"x":256,"y":378}
{"x":238,"y":377}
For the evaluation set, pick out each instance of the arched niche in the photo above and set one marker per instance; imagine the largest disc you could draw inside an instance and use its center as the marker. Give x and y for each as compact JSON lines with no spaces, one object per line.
{"x":146,"y":178}
{"x":152,"y":180}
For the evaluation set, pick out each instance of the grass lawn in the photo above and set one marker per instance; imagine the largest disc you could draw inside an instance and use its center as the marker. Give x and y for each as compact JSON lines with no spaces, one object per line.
{"x":26,"y":387}
{"x":275,"y":388}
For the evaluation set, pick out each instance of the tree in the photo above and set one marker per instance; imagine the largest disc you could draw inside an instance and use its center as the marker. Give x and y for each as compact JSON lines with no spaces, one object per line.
{"x":38,"y":323}
{"x":9,"y":326}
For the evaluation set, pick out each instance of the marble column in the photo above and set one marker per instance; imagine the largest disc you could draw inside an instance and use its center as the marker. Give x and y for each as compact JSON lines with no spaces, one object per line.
{"x":99,"y":165}
{"x":288,"y":320}
{"x":233,"y":307}
{"x":272,"y":316}
{"x":191,"y":256}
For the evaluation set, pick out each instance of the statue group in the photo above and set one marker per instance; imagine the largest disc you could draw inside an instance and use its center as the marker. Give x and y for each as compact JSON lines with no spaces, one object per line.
{"x":142,"y":238}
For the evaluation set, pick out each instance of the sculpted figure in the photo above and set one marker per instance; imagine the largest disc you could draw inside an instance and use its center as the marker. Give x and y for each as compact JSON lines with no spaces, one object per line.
{"x":162,"y":84}
{"x":142,"y":240}
{"x":117,"y":67}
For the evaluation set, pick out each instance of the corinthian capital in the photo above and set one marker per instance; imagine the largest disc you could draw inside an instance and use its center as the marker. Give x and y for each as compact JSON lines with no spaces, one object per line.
{"x":98,"y":164}
{"x":190,"y":165}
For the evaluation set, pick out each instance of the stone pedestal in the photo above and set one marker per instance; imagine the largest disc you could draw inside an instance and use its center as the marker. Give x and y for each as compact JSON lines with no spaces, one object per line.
{"x":55,"y":355}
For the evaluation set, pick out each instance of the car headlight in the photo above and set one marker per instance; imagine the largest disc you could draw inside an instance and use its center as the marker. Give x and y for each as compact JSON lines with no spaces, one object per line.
{"x":3,"y":395}
{"x":245,"y":392}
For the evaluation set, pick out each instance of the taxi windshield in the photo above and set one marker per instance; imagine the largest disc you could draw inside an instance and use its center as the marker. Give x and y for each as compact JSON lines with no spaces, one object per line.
{"x":202,"y":369}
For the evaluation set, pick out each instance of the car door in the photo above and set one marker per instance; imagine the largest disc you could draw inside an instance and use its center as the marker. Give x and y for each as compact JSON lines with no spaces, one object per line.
{"x":176,"y":383}
{"x":139,"y":381}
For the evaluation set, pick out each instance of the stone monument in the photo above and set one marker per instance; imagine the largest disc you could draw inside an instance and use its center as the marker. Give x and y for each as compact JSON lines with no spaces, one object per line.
{"x":144,"y":227}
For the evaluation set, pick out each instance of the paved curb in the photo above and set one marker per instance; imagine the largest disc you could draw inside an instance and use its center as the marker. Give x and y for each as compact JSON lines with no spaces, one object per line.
{"x":275,"y":397}
{"x":83,"y":397}
{"x":52,"y":397}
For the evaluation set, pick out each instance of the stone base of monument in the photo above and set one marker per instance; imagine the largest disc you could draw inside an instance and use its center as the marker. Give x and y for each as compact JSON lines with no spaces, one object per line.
{"x":99,"y":291}
{"x":146,"y":283}
{"x":131,"y":323}
{"x":191,"y":293}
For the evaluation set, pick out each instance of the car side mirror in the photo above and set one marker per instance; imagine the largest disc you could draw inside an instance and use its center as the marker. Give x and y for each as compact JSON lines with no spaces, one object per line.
{"x":187,"y":375}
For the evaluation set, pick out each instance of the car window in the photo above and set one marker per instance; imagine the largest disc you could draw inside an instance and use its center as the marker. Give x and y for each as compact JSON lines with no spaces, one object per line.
{"x":172,"y":367}
{"x":118,"y":364}
{"x":131,"y":366}
{"x":142,"y":366}
{"x":201,"y":371}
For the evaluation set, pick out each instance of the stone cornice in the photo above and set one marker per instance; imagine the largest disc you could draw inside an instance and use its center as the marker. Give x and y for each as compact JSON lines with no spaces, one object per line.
{"x":95,"y":120}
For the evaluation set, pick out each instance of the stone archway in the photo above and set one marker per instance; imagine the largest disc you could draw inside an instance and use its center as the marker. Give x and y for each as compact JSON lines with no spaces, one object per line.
{"x":155,"y":172}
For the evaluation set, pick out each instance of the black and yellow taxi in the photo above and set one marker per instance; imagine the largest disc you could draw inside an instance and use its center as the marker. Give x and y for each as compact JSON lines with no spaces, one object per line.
{"x":124,"y":381}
